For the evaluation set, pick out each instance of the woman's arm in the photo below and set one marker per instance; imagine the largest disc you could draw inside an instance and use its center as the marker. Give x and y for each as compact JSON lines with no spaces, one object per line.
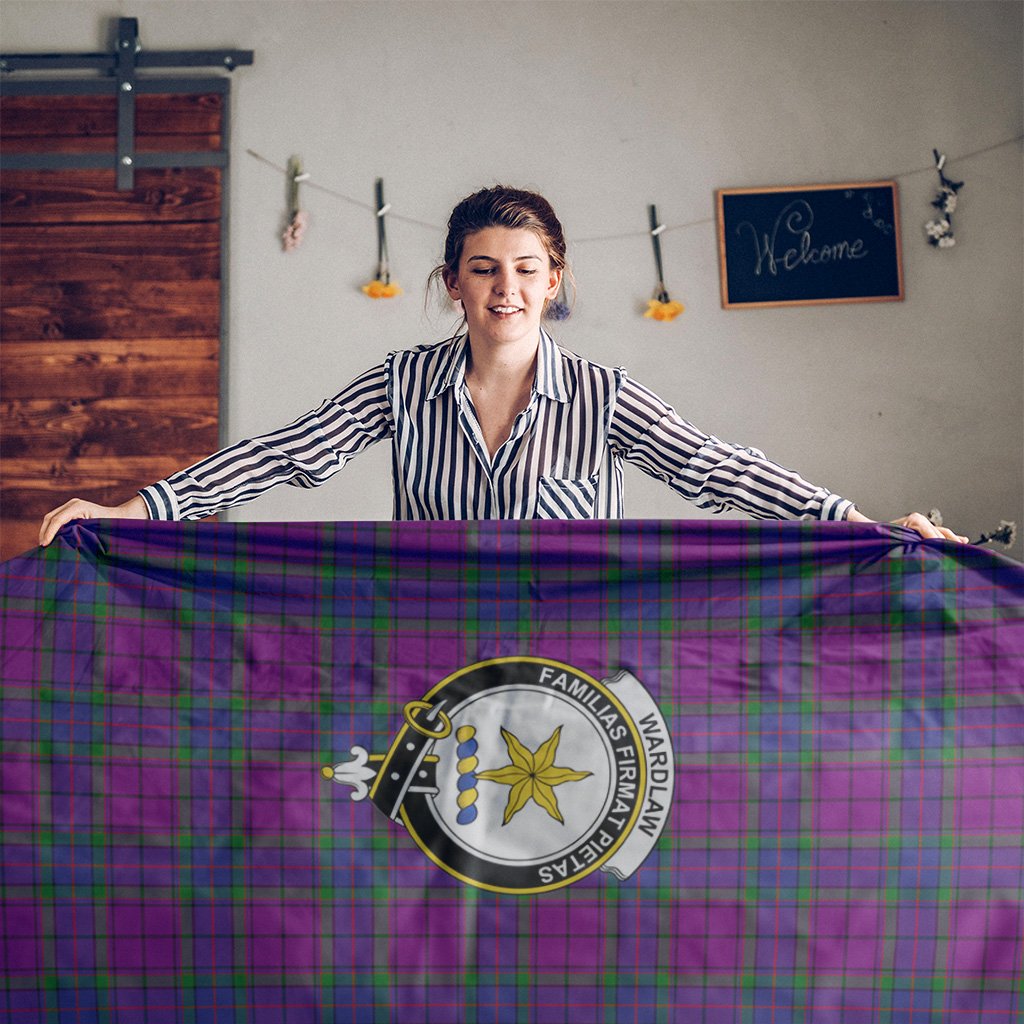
{"x":712,"y":473}
{"x":717,"y":475}
{"x":305,"y":453}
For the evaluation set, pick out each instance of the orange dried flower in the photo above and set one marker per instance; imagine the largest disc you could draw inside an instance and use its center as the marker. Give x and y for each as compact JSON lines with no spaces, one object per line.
{"x":379,"y":290}
{"x":665,"y":311}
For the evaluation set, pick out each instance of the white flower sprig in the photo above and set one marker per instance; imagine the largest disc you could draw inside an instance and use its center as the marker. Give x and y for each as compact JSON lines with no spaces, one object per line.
{"x":1005,"y":533}
{"x":940,"y":231}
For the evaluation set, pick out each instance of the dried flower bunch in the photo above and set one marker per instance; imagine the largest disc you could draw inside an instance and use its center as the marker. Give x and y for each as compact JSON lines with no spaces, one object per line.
{"x":558,"y":307}
{"x":1005,"y":533}
{"x":660,"y":307}
{"x":940,"y":231}
{"x":381,"y":287}
{"x":292,"y":237}
{"x":298,"y":218}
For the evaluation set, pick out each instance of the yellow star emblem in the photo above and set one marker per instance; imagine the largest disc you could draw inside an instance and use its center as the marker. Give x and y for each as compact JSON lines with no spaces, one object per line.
{"x":532,"y":775}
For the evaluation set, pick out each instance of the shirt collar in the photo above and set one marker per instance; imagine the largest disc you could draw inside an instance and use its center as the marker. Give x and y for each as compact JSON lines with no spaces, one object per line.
{"x":550,"y":379}
{"x":451,"y":370}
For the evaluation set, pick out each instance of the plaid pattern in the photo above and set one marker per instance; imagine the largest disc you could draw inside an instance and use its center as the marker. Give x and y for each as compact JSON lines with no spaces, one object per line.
{"x":847,"y":711}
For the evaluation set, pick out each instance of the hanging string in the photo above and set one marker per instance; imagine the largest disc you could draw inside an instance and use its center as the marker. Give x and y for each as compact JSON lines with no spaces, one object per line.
{"x":927,"y":168}
{"x":965,"y":156}
{"x":311,"y":184}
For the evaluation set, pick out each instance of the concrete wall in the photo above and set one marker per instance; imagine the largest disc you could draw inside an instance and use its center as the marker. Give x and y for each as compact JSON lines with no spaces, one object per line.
{"x":606,"y":107}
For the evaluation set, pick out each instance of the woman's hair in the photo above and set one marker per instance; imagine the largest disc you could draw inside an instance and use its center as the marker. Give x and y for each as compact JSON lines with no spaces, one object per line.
{"x":501,"y":207}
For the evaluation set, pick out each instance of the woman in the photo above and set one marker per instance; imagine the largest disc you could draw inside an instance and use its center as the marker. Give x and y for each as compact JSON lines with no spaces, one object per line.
{"x":498,"y":422}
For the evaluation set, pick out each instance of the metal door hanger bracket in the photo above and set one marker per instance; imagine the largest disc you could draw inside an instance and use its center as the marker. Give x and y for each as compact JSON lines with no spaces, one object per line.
{"x":128,"y":46}
{"x":122,"y":65}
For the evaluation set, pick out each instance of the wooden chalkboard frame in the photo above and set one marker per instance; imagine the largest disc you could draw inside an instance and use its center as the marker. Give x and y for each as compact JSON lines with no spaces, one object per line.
{"x":789,"y":293}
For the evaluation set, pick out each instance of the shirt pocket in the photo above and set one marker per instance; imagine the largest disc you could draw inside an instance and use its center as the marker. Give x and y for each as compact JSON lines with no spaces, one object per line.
{"x":566,"y":498}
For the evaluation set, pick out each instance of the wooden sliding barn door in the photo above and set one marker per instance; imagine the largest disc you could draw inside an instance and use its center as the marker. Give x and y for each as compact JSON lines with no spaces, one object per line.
{"x":110,"y":306}
{"x":113,"y":207}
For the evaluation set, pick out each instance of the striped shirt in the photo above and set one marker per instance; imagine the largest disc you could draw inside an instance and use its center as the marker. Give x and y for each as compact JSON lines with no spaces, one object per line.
{"x":562,"y":460}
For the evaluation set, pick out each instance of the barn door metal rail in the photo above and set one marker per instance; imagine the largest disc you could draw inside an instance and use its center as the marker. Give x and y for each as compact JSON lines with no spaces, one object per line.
{"x":122,"y":67}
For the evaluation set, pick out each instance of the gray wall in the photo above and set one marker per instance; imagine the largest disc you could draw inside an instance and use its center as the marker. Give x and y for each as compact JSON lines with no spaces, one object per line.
{"x":606,"y":107}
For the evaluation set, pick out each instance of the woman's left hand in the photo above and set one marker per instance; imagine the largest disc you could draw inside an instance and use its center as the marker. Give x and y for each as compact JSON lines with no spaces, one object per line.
{"x":914,"y":521}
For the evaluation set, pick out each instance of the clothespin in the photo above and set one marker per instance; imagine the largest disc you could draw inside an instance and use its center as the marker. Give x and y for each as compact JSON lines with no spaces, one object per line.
{"x":295,"y":177}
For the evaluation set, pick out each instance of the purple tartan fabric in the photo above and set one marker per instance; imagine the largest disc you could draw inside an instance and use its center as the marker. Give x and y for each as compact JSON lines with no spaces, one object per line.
{"x":846,"y":710}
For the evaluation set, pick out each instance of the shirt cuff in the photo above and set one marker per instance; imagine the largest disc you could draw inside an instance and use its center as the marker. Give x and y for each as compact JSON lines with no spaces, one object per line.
{"x":161,"y":501}
{"x":834,"y":507}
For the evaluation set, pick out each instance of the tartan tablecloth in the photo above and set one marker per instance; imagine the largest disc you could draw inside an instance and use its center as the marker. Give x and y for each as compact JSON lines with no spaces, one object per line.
{"x":840,"y":840}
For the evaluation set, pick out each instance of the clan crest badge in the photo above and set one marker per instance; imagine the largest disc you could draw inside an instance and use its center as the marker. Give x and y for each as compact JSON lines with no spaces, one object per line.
{"x":524,"y":775}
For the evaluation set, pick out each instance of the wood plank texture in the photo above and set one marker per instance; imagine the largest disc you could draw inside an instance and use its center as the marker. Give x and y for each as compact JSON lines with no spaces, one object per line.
{"x":72,"y":428}
{"x":80,"y":197}
{"x":116,"y":309}
{"x":99,"y":252}
{"x":108,"y":144}
{"x":110,"y":307}
{"x":35,"y":485}
{"x":77,"y":116}
{"x":18,"y":536}
{"x":109,"y":369}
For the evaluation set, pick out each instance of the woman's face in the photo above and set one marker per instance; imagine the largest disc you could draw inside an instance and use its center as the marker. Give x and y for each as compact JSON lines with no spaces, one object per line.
{"x":504,"y":279}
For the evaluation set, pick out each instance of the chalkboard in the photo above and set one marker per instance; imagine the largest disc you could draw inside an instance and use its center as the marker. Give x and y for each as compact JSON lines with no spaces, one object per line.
{"x":814,"y":244}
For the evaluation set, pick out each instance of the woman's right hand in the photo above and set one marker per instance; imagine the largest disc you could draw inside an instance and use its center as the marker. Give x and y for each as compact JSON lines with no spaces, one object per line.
{"x":77,"y":508}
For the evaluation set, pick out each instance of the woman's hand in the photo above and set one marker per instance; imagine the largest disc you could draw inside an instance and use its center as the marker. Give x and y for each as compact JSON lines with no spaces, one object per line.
{"x":914,"y":521}
{"x":77,"y":508}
